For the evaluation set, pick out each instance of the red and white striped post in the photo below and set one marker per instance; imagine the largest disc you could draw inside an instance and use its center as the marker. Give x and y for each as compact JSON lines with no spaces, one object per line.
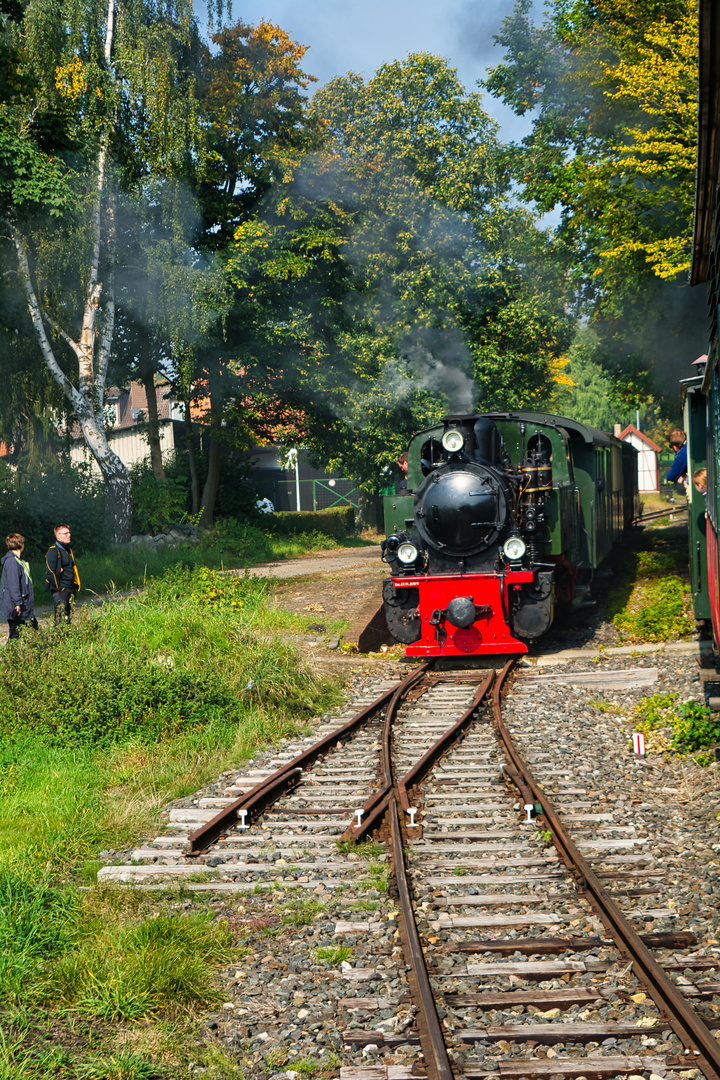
{"x":639,"y":743}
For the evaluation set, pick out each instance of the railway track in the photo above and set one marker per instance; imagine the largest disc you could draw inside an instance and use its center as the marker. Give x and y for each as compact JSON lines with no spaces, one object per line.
{"x":536,"y":929}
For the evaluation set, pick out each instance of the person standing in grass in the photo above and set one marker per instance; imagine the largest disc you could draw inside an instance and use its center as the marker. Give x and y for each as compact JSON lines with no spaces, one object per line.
{"x":17,"y":587}
{"x":62,"y":578}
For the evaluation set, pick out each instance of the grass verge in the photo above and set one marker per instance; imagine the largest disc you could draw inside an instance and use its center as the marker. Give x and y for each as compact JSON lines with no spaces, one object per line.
{"x":137,"y":703}
{"x":651,"y":599}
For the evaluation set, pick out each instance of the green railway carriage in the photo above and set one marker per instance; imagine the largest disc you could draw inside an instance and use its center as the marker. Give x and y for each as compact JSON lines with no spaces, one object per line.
{"x":517,"y":508}
{"x":695,"y":424}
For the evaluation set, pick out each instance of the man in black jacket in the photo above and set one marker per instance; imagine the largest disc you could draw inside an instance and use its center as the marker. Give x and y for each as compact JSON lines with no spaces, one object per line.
{"x":62,"y":578}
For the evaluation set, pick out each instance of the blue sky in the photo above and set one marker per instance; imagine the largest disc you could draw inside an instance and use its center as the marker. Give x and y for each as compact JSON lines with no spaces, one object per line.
{"x":359,"y":35}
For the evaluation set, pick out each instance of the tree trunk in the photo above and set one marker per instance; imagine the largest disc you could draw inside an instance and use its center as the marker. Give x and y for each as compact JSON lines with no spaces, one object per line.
{"x":192,"y":458}
{"x":118,"y":488}
{"x":87,"y":401}
{"x":212,"y":480}
{"x":153,"y":424}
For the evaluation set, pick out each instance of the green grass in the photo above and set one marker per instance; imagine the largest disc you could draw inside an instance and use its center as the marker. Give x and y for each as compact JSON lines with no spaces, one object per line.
{"x":651,"y":600}
{"x":300,"y":912}
{"x":379,"y":877}
{"x":366,"y":849}
{"x":137,"y":703}
{"x":333,"y":954}
{"x":316,"y":1067}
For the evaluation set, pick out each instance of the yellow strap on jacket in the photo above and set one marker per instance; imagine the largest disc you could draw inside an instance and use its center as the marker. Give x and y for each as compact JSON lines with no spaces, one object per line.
{"x":76,"y":576}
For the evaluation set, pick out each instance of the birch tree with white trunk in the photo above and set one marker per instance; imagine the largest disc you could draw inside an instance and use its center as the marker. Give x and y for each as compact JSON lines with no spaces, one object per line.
{"x":129,"y":115}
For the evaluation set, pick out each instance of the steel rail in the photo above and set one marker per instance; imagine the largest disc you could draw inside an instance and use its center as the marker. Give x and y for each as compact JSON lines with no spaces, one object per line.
{"x":430,"y":1031}
{"x":656,"y":514}
{"x":421,"y":768}
{"x":690,"y":1028}
{"x":254,"y":801}
{"x":375,"y":806}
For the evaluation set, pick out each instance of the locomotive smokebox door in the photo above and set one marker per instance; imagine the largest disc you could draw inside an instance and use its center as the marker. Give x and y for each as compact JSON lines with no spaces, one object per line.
{"x":401,"y":612}
{"x":533,"y":612}
{"x":461,"y":510}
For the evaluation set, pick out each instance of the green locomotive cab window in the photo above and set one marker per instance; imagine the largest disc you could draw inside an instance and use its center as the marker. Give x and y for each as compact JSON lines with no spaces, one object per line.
{"x":431,"y":454}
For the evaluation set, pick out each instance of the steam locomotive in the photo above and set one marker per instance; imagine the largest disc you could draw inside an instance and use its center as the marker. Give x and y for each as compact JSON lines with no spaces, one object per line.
{"x":505,"y":514}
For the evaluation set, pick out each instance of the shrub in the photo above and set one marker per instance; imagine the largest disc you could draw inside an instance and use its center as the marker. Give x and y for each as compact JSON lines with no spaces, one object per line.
{"x":237,"y":540}
{"x":156,"y":503}
{"x":652,"y":563}
{"x":175,"y":658}
{"x":655,"y":711}
{"x":694,"y":728}
{"x":337,"y":521}
{"x":33,"y":501}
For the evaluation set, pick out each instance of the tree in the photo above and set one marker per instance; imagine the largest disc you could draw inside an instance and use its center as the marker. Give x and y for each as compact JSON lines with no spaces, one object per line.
{"x":112,"y":103}
{"x":391,"y":270}
{"x":170,"y":297}
{"x":613,"y":85}
{"x":255,"y":117}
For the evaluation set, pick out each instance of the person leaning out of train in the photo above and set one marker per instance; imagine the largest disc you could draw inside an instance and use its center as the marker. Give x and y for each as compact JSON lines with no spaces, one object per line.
{"x":700,"y":482}
{"x":17,"y":587}
{"x":402,"y":461}
{"x":678,"y":470}
{"x":62,"y":578}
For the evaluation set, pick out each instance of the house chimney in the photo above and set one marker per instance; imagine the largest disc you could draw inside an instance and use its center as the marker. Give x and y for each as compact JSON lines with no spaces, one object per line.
{"x":616,"y":430}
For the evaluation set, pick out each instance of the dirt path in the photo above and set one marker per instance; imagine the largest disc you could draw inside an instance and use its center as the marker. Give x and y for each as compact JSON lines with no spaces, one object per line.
{"x":345,"y":583}
{"x":324,"y":562}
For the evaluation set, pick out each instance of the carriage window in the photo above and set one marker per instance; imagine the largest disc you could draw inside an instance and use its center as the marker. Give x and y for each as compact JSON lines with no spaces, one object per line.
{"x":431,"y":454}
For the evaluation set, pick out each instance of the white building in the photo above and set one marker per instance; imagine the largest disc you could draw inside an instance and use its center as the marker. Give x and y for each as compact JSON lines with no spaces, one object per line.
{"x":648,"y":470}
{"x":127,"y":412}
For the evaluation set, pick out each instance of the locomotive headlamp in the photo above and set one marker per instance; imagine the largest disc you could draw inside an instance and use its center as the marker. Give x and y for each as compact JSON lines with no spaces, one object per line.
{"x":514,"y":548}
{"x":407,"y":553}
{"x":453,"y":441}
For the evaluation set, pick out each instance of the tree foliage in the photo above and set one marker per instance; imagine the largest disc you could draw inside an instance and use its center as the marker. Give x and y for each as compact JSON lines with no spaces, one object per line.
{"x":392,"y":274}
{"x":612,"y":86}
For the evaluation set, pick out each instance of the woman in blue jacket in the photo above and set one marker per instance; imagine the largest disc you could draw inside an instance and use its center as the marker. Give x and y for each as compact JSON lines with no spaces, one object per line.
{"x":17,"y":587}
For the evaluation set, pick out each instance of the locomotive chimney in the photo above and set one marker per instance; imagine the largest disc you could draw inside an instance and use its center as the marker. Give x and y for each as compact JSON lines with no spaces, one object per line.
{"x":487,"y":441}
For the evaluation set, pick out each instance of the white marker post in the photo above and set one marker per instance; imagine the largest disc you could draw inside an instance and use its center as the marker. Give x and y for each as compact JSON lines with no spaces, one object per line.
{"x":242,"y":814}
{"x":358,"y":815}
{"x":412,"y":812}
{"x":639,"y":743}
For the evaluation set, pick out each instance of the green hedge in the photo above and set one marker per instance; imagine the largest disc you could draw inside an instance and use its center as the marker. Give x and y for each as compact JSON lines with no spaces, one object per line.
{"x":337,"y":521}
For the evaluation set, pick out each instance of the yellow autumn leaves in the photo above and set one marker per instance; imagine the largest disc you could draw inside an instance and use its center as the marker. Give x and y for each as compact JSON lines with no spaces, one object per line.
{"x":70,"y":80}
